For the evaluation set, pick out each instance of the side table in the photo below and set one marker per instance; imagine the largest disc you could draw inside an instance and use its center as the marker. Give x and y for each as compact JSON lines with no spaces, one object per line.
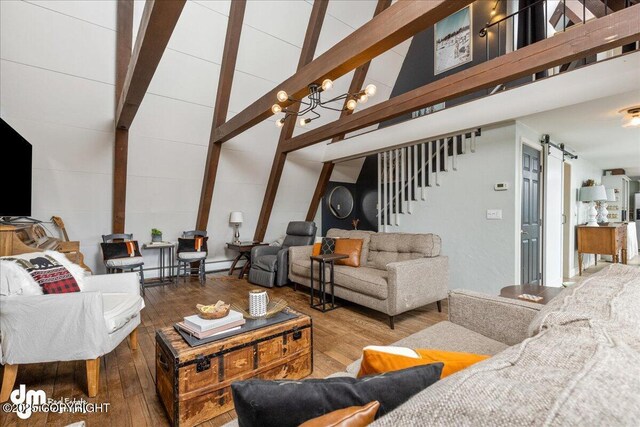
{"x":244,"y":252}
{"x":323,"y":261}
{"x":546,"y":292}
{"x":163,"y":277}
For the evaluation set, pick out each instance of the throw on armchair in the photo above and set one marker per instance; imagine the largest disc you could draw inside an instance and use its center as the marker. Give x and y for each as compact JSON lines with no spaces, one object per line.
{"x":270,"y":264}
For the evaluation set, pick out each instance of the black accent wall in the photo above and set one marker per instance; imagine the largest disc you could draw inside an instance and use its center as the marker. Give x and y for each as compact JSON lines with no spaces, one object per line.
{"x":365,"y":195}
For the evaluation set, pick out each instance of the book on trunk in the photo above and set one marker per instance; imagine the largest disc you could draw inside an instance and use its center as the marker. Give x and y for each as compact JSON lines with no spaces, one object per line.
{"x":199,"y":324}
{"x":211,"y":332}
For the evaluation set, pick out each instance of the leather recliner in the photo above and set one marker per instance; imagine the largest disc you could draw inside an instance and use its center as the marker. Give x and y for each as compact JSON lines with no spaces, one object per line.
{"x":270,"y":264}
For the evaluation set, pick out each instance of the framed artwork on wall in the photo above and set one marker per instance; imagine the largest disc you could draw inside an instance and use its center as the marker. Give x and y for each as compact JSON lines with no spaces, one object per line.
{"x":453,"y":41}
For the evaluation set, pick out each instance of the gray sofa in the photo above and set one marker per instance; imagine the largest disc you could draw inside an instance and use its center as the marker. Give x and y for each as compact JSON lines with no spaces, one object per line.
{"x":572,"y":362}
{"x":398,"y":272}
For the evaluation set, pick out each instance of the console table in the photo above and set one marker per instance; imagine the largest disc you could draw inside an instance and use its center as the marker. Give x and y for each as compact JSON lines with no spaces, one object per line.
{"x":608,"y":239}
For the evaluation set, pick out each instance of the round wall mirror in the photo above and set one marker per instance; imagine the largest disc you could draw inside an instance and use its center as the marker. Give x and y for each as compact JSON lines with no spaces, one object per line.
{"x":340,"y":202}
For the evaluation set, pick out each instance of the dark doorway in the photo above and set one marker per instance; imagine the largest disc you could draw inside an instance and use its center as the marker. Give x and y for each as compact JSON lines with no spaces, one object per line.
{"x":530,"y":231}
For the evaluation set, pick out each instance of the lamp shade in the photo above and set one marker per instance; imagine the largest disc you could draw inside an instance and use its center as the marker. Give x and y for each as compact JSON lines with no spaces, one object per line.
{"x":593,"y":194}
{"x":611,"y":195}
{"x":235,"y":218}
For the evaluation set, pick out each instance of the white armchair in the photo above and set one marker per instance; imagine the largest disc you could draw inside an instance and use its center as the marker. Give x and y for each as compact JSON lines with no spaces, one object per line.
{"x":73,"y":326}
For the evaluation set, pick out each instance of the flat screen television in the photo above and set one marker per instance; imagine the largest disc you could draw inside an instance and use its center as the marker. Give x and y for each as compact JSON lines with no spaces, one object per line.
{"x":15,"y":181}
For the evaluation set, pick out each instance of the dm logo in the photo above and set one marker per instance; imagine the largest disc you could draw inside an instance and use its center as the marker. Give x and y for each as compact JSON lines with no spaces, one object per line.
{"x":26,"y":400}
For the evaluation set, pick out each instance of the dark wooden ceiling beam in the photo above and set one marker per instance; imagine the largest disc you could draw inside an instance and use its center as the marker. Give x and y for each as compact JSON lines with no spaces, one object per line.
{"x":221,"y":108}
{"x":357,"y":82}
{"x":158,"y":21}
{"x":396,"y":24}
{"x":595,"y":36}
{"x":124,"y":41}
{"x":309,"y":45}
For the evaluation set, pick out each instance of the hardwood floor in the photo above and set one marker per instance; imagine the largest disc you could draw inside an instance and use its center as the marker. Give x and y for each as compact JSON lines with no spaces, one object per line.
{"x":127,"y":378}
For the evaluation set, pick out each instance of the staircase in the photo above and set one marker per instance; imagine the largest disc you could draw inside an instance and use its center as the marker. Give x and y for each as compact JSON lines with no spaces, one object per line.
{"x":405,"y":174}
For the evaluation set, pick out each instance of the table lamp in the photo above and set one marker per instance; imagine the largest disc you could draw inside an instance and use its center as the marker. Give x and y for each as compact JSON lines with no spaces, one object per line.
{"x":591,"y":195}
{"x":235,"y":218}
{"x":603,"y":213}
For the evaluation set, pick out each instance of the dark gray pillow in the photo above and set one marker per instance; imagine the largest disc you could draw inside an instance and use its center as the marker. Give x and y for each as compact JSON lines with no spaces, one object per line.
{"x":290,"y":403}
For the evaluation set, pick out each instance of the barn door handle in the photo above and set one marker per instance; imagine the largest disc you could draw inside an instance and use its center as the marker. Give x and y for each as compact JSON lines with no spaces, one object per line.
{"x":523,"y":232}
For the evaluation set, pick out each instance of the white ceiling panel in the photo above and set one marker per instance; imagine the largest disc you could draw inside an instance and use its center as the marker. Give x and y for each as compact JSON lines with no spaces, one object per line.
{"x":99,"y":12}
{"x":266,"y":56}
{"x":167,"y":118}
{"x":286,"y":20}
{"x":35,"y":36}
{"x":245,"y":90}
{"x":220,"y":6}
{"x":262,"y":137}
{"x":185,"y":77}
{"x":200,"y":32}
{"x":354,"y":13}
{"x":333,"y":30}
{"x":386,"y":68}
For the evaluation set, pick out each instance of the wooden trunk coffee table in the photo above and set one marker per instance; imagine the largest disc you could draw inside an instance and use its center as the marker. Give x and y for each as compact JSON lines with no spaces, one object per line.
{"x":194,"y":383}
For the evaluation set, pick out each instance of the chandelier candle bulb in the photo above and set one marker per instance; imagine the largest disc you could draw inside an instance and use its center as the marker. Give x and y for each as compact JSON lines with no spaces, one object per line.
{"x":276,"y":108}
{"x":363,"y":98}
{"x":370,"y":90}
{"x":351,"y":104}
{"x":303,"y":122}
{"x":282,"y":96}
{"x":327,"y":84}
{"x":280,"y":123}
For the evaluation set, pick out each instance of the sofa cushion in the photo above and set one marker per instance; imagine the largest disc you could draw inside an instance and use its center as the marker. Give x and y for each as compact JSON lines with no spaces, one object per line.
{"x":354,"y":234}
{"x":445,"y":336}
{"x":364,"y":280}
{"x":124,"y":262}
{"x":191,"y":255}
{"x":392,"y":247}
{"x":350,"y":247}
{"x":119,"y":308}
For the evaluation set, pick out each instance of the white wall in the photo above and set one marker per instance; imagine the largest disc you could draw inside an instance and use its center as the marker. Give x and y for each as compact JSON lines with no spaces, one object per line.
{"x":57,"y":75}
{"x":480,"y":251}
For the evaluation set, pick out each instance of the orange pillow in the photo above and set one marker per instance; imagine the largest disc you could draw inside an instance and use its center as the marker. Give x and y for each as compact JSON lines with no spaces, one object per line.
{"x":378,"y":359}
{"x":351,"y":247}
{"x":316,"y":249}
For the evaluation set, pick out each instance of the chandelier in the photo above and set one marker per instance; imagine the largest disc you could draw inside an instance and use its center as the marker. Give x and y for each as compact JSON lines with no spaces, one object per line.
{"x":314,"y":100}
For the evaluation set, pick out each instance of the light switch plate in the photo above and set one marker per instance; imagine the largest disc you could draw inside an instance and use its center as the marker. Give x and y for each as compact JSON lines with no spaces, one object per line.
{"x":494,"y":213}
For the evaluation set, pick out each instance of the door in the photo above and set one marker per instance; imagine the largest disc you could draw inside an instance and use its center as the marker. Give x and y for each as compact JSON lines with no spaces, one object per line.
{"x":553,"y":214}
{"x":530,"y":220}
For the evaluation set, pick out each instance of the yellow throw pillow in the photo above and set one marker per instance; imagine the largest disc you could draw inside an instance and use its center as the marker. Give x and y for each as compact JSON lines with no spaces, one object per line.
{"x":316,"y":249}
{"x":380,"y":359}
